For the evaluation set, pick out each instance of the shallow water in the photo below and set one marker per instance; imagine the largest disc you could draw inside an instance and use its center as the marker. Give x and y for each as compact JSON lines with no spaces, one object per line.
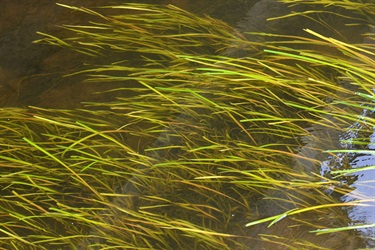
{"x":30,"y":74}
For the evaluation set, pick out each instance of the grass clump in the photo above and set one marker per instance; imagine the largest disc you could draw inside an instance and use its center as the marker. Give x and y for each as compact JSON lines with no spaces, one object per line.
{"x":202,"y":151}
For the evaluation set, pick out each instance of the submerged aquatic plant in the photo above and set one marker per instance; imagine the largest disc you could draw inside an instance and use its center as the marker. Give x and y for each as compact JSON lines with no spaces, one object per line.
{"x":204,"y":144}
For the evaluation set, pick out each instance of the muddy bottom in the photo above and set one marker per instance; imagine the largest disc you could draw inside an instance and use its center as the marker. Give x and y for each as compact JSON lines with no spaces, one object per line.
{"x":32,"y":74}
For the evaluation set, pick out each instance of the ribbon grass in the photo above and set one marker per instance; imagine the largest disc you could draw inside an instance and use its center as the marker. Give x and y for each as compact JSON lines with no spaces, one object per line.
{"x":203,"y":150}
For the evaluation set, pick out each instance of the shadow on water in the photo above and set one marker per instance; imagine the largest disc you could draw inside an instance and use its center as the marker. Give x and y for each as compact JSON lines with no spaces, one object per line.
{"x":31,"y":74}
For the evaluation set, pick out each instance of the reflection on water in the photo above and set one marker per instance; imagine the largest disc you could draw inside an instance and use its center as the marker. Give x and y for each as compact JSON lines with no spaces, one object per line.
{"x":26,"y":65}
{"x":364,"y":188}
{"x":362,"y":182}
